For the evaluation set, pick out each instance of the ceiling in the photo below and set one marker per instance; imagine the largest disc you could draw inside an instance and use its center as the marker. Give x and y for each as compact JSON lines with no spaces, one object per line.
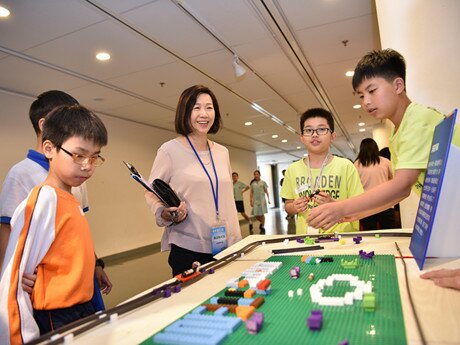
{"x":295,"y":52}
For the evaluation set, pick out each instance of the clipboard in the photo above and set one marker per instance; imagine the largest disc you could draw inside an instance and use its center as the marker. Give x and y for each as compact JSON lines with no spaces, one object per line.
{"x":161,"y":189}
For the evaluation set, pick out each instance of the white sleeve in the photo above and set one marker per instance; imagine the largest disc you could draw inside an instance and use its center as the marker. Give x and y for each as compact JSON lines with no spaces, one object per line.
{"x":26,"y":248}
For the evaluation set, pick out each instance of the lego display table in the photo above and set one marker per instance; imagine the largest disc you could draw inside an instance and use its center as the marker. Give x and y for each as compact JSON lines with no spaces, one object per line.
{"x":437,"y":308}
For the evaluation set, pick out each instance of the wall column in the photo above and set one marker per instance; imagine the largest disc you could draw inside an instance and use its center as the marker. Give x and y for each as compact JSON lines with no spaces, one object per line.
{"x":426,"y":33}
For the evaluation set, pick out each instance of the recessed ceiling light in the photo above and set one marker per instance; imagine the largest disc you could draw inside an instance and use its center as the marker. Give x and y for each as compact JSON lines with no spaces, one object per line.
{"x":249,"y":123}
{"x":362,"y":129}
{"x":356,"y":106}
{"x":361,"y":124}
{"x":305,"y":154}
{"x":103,"y":56}
{"x":274,"y":136}
{"x":298,"y":147}
{"x":284,"y":141}
{"x":350,"y":73}
{"x":4,"y":12}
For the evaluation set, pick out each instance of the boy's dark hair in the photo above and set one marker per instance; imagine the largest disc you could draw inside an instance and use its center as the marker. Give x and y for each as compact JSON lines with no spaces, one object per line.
{"x":234,"y":173}
{"x":368,"y":152}
{"x":184,"y":109}
{"x":388,"y":64}
{"x":68,"y":121}
{"x":317,"y":112}
{"x":46,"y":102}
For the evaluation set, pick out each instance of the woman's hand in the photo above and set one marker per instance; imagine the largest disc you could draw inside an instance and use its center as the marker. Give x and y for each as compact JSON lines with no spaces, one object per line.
{"x":175,"y":214}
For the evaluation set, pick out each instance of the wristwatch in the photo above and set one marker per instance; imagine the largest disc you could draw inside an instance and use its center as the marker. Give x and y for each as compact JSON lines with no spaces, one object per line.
{"x":100,"y":262}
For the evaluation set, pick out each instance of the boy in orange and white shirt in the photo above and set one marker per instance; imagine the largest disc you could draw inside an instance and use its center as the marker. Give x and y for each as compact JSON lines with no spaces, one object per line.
{"x":50,"y":234}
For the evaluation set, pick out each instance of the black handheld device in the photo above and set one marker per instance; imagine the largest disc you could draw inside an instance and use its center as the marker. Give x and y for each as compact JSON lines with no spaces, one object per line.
{"x":158,"y":187}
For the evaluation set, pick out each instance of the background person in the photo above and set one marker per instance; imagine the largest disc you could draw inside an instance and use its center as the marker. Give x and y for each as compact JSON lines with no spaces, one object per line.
{"x":259,"y":189}
{"x":238,"y":189}
{"x":198,"y":169}
{"x":374,"y":170}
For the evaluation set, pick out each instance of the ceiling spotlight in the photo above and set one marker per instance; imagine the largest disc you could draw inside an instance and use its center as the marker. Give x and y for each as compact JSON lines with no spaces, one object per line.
{"x":274,"y":136}
{"x":4,"y":12}
{"x":350,"y":73}
{"x":298,"y":147}
{"x":239,"y":70}
{"x":356,"y":106}
{"x":103,"y":56}
{"x":284,"y":141}
{"x":249,"y":123}
{"x":362,"y":129}
{"x":361,"y":124}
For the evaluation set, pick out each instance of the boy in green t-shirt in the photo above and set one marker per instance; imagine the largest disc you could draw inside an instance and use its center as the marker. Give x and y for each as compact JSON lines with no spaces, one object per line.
{"x":379,"y":81}
{"x":320,"y":177}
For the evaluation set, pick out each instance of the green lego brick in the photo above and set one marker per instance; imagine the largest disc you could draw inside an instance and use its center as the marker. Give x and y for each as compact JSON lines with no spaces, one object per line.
{"x":369,"y":301}
{"x":309,"y":240}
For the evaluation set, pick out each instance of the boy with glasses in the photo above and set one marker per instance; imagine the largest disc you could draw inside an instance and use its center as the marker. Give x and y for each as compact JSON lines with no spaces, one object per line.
{"x":320,"y":177}
{"x":51,"y":235}
{"x":33,"y":170}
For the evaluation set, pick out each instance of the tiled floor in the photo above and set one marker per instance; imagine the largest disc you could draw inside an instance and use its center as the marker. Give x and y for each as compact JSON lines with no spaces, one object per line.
{"x":137,"y":273}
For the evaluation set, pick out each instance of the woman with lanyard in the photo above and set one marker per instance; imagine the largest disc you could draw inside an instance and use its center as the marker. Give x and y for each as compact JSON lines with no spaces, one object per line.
{"x":198,"y":169}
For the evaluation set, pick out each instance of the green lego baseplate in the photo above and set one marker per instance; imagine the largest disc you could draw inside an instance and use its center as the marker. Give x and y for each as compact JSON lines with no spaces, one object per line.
{"x":285,"y":317}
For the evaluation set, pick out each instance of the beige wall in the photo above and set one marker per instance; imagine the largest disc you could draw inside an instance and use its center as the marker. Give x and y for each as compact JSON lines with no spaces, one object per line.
{"x":118,"y":214}
{"x":426,"y":33}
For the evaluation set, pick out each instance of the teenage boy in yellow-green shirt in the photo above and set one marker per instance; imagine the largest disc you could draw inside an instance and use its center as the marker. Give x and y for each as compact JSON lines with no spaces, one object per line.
{"x":379,"y":81}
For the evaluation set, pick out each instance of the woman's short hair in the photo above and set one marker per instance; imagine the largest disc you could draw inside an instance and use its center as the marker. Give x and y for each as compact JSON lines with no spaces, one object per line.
{"x":185,"y":106}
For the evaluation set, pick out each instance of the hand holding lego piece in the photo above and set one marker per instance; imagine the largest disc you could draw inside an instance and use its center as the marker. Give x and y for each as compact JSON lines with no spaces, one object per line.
{"x":449,"y":278}
{"x":326,"y":215}
{"x":321,"y":197}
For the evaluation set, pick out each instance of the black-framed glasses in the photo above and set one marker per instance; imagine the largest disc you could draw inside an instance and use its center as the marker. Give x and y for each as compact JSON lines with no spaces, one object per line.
{"x":96,"y":161}
{"x":308,"y":132}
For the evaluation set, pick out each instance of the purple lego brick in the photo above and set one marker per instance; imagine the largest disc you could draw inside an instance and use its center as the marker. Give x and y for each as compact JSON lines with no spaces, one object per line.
{"x":255,"y":323}
{"x":344,"y":342}
{"x":167,"y":292}
{"x":177,"y":288}
{"x":327,"y":239}
{"x":315,"y":320}
{"x":211,"y":271}
{"x":365,"y":255}
{"x":357,"y":239}
{"x":258,"y":316}
{"x":294,"y":273}
{"x":202,"y":270}
{"x":300,"y":240}
{"x":252,"y":327}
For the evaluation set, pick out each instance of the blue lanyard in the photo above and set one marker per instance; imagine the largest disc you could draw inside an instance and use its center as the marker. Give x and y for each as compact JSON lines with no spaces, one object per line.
{"x":215,"y":193}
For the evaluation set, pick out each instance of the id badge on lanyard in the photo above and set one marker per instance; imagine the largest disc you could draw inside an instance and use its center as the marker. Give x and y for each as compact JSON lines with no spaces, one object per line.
{"x":219,"y":229}
{"x":218,"y":237}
